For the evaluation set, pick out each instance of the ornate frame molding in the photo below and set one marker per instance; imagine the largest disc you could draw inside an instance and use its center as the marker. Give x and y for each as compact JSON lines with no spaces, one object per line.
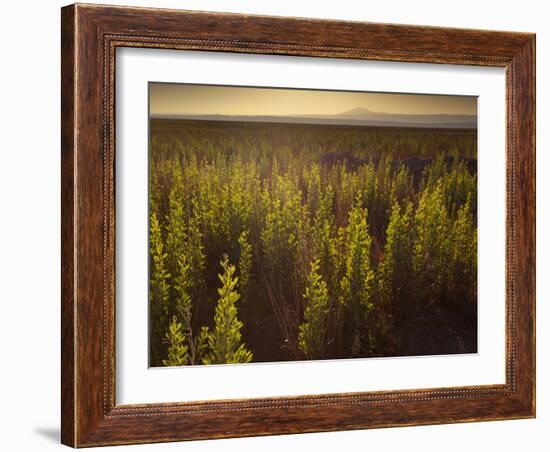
{"x":90,"y":37}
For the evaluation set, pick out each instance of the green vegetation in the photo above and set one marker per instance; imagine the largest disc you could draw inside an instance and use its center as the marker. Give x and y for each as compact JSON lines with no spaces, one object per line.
{"x":224,"y":341}
{"x":333,"y":241}
{"x":177,"y":350}
{"x":312,"y":335}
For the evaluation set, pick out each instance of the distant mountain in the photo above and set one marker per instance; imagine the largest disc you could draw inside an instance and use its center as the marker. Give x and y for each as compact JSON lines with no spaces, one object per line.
{"x":362,"y":114}
{"x":354,"y":117}
{"x":357,"y":112}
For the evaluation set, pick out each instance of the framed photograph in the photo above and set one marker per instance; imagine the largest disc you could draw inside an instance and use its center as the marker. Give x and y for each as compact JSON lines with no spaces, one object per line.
{"x":281,"y":225}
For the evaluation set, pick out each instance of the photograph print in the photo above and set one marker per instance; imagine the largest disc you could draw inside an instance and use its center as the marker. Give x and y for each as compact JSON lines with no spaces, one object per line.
{"x":293,"y":224}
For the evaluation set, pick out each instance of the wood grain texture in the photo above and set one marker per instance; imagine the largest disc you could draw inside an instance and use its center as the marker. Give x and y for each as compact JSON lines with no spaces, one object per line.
{"x":67,"y":226}
{"x":90,"y":36}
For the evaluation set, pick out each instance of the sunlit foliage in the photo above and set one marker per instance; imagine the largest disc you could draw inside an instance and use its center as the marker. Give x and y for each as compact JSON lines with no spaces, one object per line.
{"x":177,"y":350}
{"x":224,"y":341}
{"x":334,"y":242}
{"x":312,"y":335}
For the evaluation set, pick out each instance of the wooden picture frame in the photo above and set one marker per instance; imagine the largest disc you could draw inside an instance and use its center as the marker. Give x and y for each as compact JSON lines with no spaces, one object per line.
{"x":90,"y":36}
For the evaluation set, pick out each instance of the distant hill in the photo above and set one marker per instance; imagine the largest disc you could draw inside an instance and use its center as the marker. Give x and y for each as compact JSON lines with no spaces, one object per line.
{"x":356,"y":117}
{"x":362,"y":114}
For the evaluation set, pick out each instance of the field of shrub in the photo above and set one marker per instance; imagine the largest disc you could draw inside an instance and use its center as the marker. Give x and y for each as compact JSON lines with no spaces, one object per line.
{"x":282,"y":242}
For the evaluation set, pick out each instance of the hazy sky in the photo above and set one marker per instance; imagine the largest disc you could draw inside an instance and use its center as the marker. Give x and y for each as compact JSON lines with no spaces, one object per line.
{"x":179,"y":99}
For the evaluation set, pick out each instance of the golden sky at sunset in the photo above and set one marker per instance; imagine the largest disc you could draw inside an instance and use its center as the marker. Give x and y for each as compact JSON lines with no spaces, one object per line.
{"x":181,"y":99}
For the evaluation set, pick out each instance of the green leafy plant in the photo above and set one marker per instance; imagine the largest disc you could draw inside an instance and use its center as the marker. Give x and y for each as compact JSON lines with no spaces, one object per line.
{"x":312,"y":332}
{"x":245,"y":265}
{"x":177,"y":350}
{"x":356,"y":285}
{"x":224,"y":341}
{"x":159,"y":289}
